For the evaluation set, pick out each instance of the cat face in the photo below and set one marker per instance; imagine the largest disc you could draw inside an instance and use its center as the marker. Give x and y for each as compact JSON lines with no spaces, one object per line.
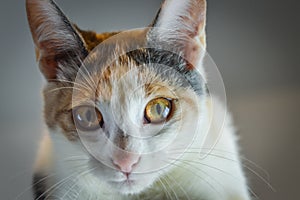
{"x":129,"y":103}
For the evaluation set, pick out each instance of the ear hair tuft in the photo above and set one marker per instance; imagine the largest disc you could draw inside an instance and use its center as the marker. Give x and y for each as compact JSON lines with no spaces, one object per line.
{"x":55,"y":37}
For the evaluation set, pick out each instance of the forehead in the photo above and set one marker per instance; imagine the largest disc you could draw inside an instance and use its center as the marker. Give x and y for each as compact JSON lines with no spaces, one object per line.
{"x":125,"y":79}
{"x":113,"y":68}
{"x":128,"y":78}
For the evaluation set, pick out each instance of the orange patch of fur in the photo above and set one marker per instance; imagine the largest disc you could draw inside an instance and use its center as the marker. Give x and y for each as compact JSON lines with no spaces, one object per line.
{"x":93,"y":39}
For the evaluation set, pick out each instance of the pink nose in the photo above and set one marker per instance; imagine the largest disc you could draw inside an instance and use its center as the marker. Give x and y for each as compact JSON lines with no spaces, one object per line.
{"x":126,"y":163}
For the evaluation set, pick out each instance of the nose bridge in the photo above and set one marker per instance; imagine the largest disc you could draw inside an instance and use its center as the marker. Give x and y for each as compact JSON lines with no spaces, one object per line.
{"x":125,"y":155}
{"x":121,"y":114}
{"x":126,"y":96}
{"x":121,"y":140}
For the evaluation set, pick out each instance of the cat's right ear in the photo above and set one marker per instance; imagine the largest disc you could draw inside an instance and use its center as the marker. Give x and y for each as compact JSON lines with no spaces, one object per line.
{"x":57,"y":41}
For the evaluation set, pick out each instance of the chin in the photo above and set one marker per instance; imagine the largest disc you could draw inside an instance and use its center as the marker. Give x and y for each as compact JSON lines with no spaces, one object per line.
{"x":127,"y":187}
{"x":116,"y":181}
{"x":132,"y":186}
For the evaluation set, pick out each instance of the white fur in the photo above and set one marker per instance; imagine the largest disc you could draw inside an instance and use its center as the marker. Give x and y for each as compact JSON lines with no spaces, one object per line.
{"x":212,"y":177}
{"x":170,"y":16}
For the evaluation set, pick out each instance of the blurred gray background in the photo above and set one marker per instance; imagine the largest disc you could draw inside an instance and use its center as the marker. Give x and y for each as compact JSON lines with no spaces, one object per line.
{"x":255,"y":44}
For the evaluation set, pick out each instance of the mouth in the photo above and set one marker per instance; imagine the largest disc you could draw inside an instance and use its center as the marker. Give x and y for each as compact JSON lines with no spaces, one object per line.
{"x":125,"y":186}
{"x":123,"y":182}
{"x":130,"y":185}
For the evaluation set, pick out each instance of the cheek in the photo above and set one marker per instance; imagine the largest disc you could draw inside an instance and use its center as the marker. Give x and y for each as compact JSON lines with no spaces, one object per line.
{"x":70,"y":156}
{"x":96,"y":144}
{"x":188,"y":126}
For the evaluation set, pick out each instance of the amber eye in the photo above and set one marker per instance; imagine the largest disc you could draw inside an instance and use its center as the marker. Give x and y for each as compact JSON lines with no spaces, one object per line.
{"x":158,"y":110}
{"x":87,"y":118}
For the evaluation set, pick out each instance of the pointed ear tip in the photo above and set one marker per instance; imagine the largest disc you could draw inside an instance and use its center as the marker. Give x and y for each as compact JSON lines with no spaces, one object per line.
{"x":38,"y":1}
{"x":32,"y":3}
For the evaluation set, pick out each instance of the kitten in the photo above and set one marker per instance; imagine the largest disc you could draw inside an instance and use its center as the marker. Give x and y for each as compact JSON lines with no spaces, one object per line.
{"x":128,"y":112}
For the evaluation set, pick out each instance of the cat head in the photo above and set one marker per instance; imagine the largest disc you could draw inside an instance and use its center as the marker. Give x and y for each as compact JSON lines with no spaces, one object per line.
{"x":129,"y":102}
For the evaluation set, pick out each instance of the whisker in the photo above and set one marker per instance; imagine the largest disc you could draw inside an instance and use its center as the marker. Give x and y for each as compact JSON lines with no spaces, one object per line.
{"x":78,"y":70}
{"x":90,"y":81}
{"x":208,"y":175}
{"x":76,"y":178}
{"x":32,"y":185}
{"x":75,"y":158}
{"x":203,"y":148}
{"x":244,"y":159}
{"x":251,"y":170}
{"x":193,"y":172}
{"x":170,"y":187}
{"x":164,"y":188}
{"x":220,"y":170}
{"x":42,"y":180}
{"x":179,"y":185}
{"x":86,"y":80}
{"x":61,"y":88}
{"x":71,"y":82}
{"x":69,"y":190}
{"x":79,"y":193}
{"x":56,"y":185}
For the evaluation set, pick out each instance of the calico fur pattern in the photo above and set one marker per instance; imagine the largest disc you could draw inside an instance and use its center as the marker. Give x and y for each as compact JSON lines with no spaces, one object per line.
{"x":177,"y":42}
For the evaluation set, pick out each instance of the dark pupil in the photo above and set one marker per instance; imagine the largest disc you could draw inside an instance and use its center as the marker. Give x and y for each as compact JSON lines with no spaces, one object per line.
{"x":89,"y":115}
{"x":158,"y":109}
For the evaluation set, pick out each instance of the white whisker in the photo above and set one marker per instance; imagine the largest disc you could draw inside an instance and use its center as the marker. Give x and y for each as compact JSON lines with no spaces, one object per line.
{"x":61,"y":182}
{"x":179,"y":185}
{"x":171,"y":188}
{"x":201,"y":178}
{"x":164,"y":188}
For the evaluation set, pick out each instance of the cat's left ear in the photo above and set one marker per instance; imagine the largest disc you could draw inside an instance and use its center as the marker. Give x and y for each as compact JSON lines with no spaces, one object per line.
{"x":182,"y":23}
{"x":57,"y":41}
